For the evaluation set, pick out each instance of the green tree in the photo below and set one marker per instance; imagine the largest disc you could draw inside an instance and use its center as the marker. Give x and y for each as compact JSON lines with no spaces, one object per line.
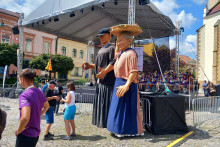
{"x":60,"y":63}
{"x":163,"y":54}
{"x":8,"y":54}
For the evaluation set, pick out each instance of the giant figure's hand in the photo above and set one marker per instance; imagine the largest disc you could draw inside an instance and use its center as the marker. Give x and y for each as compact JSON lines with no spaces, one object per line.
{"x":86,"y":66}
{"x":121,"y":90}
{"x":101,"y":74}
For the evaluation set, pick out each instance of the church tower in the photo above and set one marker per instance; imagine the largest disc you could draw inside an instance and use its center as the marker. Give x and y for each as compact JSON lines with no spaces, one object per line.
{"x":212,"y":3}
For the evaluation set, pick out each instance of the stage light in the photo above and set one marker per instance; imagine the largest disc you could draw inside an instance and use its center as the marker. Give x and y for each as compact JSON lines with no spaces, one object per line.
{"x":43,"y":22}
{"x":92,"y":8}
{"x":72,"y":14}
{"x":103,"y":5}
{"x":116,"y":2}
{"x":81,"y":11}
{"x":56,"y":19}
{"x":15,"y":30}
{"x":182,"y":28}
{"x":144,"y":2}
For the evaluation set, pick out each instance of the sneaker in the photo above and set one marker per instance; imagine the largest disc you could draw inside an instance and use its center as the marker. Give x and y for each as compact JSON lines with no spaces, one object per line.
{"x":47,"y":137}
{"x":73,"y":134}
{"x":66,"y":138}
{"x":52,"y":135}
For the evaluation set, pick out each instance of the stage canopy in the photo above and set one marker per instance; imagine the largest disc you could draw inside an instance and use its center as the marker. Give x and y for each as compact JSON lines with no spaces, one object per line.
{"x":80,"y":20}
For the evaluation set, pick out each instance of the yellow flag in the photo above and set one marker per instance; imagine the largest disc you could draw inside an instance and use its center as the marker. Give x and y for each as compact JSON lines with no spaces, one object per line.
{"x":49,"y":65}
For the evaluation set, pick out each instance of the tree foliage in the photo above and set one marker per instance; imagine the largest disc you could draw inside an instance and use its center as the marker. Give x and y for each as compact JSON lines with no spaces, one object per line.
{"x":150,"y":62}
{"x":60,"y":63}
{"x":8,"y":54}
{"x":182,"y":64}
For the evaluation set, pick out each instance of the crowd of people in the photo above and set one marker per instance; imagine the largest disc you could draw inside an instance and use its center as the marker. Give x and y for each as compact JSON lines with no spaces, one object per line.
{"x":35,"y":102}
{"x":155,"y":81}
{"x":209,"y":90}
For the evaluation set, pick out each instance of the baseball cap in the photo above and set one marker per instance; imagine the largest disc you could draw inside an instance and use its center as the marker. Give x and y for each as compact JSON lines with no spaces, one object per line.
{"x":52,"y":82}
{"x":103,"y":31}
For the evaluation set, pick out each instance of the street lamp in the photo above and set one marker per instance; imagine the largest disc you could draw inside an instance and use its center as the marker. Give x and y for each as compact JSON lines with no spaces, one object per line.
{"x":2,"y":23}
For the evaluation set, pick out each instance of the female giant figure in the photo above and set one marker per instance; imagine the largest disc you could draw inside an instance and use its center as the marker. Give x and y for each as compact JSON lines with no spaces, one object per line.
{"x":124,"y":117}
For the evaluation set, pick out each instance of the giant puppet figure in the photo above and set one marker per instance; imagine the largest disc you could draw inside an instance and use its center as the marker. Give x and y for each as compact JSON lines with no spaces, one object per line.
{"x":105,"y":78}
{"x":124,"y":118}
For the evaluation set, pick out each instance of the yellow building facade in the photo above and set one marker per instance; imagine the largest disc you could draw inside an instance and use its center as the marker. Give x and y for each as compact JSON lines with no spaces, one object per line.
{"x":77,"y":51}
{"x":147,"y":48}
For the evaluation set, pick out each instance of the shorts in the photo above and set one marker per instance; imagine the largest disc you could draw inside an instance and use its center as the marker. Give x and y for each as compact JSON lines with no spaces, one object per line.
{"x":50,"y":115}
{"x":23,"y":141}
{"x":70,"y":112}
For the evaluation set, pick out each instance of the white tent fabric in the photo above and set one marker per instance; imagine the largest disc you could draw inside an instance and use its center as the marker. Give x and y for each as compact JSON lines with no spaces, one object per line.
{"x":85,"y":24}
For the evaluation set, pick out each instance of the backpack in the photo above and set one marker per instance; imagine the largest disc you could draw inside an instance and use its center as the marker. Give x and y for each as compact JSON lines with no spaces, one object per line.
{"x":3,"y":117}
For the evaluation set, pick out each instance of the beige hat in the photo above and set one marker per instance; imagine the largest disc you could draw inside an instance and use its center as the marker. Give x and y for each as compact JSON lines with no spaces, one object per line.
{"x":134,"y":29}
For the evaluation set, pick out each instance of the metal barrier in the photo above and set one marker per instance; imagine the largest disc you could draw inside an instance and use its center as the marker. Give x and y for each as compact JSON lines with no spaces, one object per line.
{"x":205,"y":109}
{"x":145,"y":105}
{"x":84,"y":102}
{"x":87,"y":102}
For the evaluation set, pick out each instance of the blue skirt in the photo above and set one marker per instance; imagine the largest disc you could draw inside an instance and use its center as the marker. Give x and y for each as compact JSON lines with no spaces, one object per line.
{"x":122,"y":117}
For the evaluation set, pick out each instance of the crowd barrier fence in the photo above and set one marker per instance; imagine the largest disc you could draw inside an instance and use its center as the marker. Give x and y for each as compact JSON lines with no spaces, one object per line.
{"x":84,"y":102}
{"x":146,"y":115}
{"x":205,"y":109}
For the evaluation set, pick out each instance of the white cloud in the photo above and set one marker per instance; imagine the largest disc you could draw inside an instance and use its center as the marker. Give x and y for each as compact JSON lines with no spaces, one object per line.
{"x":186,"y":47}
{"x":172,"y":43}
{"x":200,"y":1}
{"x":25,"y":6}
{"x":168,"y":7}
{"x":187,"y":19}
{"x":192,"y":39}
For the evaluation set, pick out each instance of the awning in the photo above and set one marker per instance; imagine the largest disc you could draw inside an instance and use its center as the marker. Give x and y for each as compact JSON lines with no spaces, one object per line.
{"x":80,"y":20}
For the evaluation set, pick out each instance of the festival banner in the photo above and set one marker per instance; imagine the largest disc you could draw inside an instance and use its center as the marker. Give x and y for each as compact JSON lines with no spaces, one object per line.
{"x":49,"y":66}
{"x":5,"y":72}
{"x":139,"y":51}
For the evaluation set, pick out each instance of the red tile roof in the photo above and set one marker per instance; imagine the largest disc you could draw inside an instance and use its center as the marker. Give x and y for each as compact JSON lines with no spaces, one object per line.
{"x":16,"y":14}
{"x":215,"y":9}
{"x":185,"y":59}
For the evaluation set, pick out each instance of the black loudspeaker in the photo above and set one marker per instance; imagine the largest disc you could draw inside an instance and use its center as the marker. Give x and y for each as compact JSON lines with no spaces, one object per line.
{"x":15,"y":30}
{"x":167,"y":114}
{"x":217,"y":90}
{"x":144,"y":2}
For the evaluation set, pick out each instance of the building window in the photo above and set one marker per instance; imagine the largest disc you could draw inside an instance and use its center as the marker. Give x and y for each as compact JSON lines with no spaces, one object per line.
{"x":63,"y":50}
{"x":91,"y":57}
{"x":78,"y":71}
{"x":28,"y":45}
{"x":74,"y":54}
{"x":81,"y":54}
{"x":46,"y":47}
{"x":5,"y":38}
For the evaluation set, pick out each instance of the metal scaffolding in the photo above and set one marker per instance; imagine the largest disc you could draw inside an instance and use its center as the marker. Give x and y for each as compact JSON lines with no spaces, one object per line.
{"x":131,"y":12}
{"x":20,"y":50}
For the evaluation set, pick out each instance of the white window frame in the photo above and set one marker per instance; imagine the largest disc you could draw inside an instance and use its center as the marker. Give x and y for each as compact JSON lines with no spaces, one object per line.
{"x":27,"y":44}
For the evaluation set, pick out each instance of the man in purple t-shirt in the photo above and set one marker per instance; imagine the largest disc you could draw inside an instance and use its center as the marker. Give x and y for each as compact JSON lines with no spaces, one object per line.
{"x":32,"y":104}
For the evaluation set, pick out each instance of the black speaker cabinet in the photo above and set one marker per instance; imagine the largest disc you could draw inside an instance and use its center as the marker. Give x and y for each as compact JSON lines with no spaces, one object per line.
{"x":167,"y":114}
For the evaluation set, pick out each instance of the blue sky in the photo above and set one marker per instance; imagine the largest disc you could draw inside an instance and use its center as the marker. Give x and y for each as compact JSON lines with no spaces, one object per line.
{"x":189,"y":12}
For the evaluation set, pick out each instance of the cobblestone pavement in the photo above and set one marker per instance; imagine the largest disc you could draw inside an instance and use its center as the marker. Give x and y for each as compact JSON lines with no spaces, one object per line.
{"x":90,"y":135}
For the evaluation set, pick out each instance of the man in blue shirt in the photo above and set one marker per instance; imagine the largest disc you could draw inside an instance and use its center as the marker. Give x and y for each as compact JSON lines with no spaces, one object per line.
{"x":44,"y":86}
{"x":204,"y":85}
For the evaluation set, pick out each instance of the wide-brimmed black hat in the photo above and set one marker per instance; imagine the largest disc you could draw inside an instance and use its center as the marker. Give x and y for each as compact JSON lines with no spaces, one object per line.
{"x":103,"y":31}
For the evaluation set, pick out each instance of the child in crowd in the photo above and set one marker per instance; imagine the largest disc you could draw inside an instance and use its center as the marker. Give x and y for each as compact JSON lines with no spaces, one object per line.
{"x":70,"y":110}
